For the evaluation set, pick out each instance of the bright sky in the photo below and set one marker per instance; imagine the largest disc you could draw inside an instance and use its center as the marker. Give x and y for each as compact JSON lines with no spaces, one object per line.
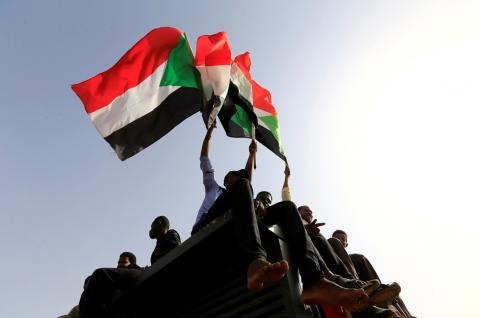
{"x":379,"y":108}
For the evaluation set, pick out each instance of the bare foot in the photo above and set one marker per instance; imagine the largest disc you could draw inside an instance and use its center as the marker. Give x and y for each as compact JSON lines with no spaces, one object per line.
{"x":260,"y":271}
{"x":325,"y":292}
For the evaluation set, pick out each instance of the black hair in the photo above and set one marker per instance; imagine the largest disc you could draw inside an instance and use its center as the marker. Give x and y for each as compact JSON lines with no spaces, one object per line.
{"x":85,"y":282}
{"x":242,"y":173}
{"x":131,"y":257}
{"x":339,"y":232}
{"x":264,"y":193}
{"x":162,"y":220}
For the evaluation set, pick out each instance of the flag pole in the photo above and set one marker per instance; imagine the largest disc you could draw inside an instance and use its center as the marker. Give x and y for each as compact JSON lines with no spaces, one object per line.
{"x":255,"y":154}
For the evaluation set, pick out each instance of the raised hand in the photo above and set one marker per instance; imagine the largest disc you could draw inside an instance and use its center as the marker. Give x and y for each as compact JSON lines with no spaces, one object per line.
{"x":287,"y":171}
{"x":313,"y":227}
{"x":253,"y":147}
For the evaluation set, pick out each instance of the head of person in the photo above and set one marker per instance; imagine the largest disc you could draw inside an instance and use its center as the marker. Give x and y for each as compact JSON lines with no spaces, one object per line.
{"x":159,"y":227}
{"x":126,"y":259}
{"x":265,"y":198}
{"x":341,"y":236}
{"x":233,"y":176}
{"x":305,"y":213}
{"x":86,"y":282}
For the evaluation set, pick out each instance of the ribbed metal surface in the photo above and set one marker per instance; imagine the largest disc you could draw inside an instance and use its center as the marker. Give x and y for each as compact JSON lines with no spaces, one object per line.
{"x":205,"y":278}
{"x":233,"y":300}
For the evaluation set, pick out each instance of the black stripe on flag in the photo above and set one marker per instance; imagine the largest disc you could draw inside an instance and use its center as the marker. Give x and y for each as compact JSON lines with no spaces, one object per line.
{"x":147,"y":129}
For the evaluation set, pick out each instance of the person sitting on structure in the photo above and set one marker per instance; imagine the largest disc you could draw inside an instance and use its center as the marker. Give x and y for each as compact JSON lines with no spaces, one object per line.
{"x":333,"y":266}
{"x":263,"y":201}
{"x":127,"y":260}
{"x":238,"y":199}
{"x":167,"y":239}
{"x":105,"y":282}
{"x":342,"y":274}
{"x":365,"y":270}
{"x":329,"y":257}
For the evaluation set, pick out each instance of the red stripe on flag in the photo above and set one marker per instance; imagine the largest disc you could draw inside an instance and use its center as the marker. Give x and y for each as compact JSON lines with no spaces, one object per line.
{"x":244,"y":63}
{"x":213,"y":50}
{"x":133,"y":68}
{"x":262,"y":98}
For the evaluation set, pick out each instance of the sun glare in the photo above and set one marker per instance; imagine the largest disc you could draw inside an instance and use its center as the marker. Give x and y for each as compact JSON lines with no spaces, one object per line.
{"x":402,"y":135}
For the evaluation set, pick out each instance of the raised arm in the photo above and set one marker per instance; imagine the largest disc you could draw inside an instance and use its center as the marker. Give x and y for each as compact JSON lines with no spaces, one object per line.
{"x":251,"y":158}
{"x":286,"y":189}
{"x":206,"y":141}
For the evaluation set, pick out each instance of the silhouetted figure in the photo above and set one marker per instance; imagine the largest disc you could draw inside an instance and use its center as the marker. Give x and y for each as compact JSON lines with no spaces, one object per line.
{"x":167,"y":239}
{"x":338,"y":272}
{"x":105,"y":282}
{"x":127,"y":260}
{"x":365,"y":270}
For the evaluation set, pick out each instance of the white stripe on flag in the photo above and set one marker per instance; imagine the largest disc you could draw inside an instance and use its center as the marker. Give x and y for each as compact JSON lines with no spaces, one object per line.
{"x":260,"y":112}
{"x":133,"y":104}
{"x":244,"y":86}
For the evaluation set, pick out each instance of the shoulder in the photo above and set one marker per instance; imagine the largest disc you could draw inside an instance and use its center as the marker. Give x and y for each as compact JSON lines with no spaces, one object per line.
{"x":172,"y":234}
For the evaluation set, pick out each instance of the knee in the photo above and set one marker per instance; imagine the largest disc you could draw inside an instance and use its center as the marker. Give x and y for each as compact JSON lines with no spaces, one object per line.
{"x":334,"y":241}
{"x":287,"y":206}
{"x":100,"y":273}
{"x":241,"y":183}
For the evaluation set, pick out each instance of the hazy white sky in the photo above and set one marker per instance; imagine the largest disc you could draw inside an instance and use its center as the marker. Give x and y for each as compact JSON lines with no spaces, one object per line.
{"x":379,"y":110}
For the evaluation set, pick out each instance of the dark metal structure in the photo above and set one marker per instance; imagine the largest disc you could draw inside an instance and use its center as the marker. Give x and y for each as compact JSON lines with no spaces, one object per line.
{"x":205,"y":277}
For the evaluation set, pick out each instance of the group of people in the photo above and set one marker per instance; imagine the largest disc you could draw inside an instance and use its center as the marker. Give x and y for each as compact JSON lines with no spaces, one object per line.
{"x":104,"y":283}
{"x":330,"y":276}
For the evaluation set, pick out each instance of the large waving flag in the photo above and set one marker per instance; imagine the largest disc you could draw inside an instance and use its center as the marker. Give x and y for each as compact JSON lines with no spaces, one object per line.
{"x":149,"y":91}
{"x":236,"y":117}
{"x":213,"y":59}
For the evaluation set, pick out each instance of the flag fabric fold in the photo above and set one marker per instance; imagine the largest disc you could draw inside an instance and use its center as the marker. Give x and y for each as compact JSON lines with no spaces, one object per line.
{"x":213,"y":59}
{"x":158,"y":83}
{"x":249,"y":106}
{"x":151,"y":89}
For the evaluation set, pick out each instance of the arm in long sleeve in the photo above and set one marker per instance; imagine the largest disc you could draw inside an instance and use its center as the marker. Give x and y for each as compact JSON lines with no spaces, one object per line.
{"x":208,"y":174}
{"x":206,"y":142}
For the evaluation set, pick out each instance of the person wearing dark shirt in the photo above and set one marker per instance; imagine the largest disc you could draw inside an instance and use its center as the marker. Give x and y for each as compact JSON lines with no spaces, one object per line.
{"x":127,"y":260}
{"x":366,"y":270}
{"x":104,"y":282}
{"x":332,"y":260}
{"x":167,"y":239}
{"x":342,"y":274}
